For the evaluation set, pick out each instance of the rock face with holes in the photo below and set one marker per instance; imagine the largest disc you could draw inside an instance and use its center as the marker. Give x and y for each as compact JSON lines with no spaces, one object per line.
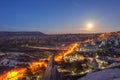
{"x":51,"y":72}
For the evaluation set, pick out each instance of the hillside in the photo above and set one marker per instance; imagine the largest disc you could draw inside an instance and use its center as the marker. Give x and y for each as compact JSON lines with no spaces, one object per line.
{"x":21,"y":33}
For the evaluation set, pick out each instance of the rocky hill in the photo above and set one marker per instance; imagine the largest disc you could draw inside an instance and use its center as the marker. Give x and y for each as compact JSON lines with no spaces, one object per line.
{"x":21,"y":33}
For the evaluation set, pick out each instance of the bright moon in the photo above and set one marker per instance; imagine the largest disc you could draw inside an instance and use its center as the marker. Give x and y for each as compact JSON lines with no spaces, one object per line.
{"x":89,"y":25}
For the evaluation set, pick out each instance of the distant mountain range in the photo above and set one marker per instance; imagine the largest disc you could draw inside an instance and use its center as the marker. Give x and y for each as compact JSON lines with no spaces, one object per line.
{"x":21,"y":33}
{"x":37,"y":33}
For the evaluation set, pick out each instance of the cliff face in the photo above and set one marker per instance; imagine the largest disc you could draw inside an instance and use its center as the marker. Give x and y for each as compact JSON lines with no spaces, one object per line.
{"x":51,"y":72}
{"x":107,"y":74}
{"x":112,"y":72}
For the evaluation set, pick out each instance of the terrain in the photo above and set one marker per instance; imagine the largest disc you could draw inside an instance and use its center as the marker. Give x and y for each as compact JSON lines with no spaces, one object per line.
{"x":28,"y":53}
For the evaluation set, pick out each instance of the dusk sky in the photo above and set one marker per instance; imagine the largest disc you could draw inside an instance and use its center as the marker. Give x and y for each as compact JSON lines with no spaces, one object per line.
{"x":59,"y":16}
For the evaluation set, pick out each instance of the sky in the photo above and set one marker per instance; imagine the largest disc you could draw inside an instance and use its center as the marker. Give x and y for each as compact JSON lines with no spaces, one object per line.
{"x":60,"y":16}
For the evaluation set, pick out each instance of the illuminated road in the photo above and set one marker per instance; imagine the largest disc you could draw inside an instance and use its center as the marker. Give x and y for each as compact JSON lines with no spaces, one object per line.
{"x":47,"y":48}
{"x":34,"y":66}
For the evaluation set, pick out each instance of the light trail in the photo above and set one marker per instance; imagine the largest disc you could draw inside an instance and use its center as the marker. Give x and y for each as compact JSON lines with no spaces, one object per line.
{"x":46,"y":48}
{"x":71,"y":49}
{"x":19,"y":72}
{"x":13,"y":74}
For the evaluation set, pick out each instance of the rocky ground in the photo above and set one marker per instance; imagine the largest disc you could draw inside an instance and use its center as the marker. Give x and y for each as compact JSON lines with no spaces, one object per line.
{"x":112,"y":72}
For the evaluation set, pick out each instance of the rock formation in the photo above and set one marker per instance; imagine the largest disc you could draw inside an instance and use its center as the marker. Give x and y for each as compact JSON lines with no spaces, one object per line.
{"x":51,"y":72}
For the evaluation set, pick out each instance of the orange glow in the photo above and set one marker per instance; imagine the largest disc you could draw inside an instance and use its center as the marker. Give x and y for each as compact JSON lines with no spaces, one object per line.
{"x":36,"y":65}
{"x":13,"y":74}
{"x":118,"y":58}
{"x":105,"y":35}
{"x":88,"y":40}
{"x":80,"y":58}
{"x":109,"y":34}
{"x":71,"y":48}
